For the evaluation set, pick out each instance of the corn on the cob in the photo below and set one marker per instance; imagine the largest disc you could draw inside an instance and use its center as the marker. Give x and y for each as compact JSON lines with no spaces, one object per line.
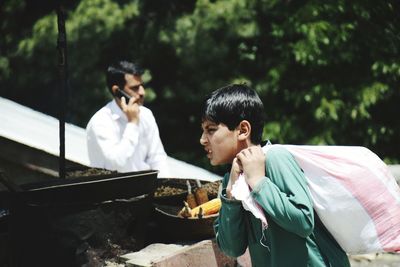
{"x":185,"y":211}
{"x":190,"y":198}
{"x":201,"y":194}
{"x":208,"y":208}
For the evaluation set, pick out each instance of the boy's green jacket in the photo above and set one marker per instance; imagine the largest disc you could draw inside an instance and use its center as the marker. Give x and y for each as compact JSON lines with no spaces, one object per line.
{"x":294,"y":238}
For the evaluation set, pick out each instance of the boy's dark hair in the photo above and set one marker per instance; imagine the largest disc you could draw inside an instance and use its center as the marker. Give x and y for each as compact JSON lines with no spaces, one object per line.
{"x":232,"y":104}
{"x":116,"y":73}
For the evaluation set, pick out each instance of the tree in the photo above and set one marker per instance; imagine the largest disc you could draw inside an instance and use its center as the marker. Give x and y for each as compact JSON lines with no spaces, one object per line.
{"x":324,"y":78}
{"x":328,"y":73}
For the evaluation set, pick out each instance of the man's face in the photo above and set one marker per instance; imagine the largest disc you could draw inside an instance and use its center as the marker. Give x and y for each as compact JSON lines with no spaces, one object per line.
{"x":134,"y":88}
{"x":220,"y":143}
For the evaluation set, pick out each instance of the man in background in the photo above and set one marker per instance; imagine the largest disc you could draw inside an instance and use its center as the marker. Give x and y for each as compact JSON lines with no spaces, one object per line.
{"x":123,"y":135}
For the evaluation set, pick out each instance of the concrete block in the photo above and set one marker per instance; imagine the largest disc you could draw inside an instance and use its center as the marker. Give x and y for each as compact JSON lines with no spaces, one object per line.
{"x":204,"y":253}
{"x":153,"y":252}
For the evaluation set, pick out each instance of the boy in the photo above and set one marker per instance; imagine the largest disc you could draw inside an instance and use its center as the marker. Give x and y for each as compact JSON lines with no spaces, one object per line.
{"x":232,"y":123}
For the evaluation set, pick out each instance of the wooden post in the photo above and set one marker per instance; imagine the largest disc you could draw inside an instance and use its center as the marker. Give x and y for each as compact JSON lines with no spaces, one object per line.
{"x":62,"y":68}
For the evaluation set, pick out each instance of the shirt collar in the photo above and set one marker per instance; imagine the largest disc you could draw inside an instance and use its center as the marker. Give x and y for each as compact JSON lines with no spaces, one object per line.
{"x":116,"y":111}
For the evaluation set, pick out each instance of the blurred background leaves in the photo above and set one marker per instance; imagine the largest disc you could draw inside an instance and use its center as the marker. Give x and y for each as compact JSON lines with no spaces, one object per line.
{"x":327,"y":72}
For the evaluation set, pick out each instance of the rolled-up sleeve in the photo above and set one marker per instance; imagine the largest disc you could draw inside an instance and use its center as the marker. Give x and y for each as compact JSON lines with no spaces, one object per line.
{"x":230,"y":226}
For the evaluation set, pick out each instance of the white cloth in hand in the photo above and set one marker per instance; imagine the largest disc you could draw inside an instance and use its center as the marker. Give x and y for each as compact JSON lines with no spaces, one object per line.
{"x":241,"y":191}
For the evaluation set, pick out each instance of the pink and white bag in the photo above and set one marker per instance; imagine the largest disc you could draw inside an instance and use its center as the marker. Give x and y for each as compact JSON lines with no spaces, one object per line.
{"x":354,"y":194}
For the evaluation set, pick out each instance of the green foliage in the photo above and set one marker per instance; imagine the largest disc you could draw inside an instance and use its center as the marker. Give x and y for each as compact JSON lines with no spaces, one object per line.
{"x":90,"y":26}
{"x":327,"y":72}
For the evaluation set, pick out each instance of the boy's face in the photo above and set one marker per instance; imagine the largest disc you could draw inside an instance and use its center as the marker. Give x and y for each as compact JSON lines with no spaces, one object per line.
{"x":220,"y":143}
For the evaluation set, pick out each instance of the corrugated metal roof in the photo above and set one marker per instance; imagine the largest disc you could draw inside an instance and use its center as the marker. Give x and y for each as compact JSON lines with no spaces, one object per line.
{"x":40,"y":131}
{"x":27,"y":126}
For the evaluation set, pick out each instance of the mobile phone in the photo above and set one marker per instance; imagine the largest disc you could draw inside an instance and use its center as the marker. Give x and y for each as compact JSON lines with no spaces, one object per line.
{"x":121,"y":93}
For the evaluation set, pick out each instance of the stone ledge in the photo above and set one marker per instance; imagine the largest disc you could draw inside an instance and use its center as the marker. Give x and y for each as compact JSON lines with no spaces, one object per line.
{"x":204,"y":253}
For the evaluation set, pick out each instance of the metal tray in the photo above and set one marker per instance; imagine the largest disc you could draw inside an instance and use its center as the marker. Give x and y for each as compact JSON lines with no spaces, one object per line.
{"x":180,"y":229}
{"x":174,"y":228}
{"x":88,"y":189}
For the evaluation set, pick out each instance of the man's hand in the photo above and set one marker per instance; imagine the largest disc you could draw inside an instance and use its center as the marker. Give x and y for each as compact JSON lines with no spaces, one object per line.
{"x":235,"y":171}
{"x":131,"y":109}
{"x":252,"y":162}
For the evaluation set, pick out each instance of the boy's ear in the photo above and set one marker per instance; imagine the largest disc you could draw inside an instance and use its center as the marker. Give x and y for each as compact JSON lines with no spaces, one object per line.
{"x":244,"y":130}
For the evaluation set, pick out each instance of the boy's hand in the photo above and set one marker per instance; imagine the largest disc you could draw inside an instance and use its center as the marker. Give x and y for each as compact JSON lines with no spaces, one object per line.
{"x":235,"y":171}
{"x":252,"y":161}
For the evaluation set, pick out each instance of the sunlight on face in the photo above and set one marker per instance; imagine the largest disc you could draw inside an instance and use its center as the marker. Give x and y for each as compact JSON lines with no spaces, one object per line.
{"x":220,"y":143}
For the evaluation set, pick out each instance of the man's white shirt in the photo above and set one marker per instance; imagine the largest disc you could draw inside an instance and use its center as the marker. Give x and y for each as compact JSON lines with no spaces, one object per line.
{"x":116,"y":144}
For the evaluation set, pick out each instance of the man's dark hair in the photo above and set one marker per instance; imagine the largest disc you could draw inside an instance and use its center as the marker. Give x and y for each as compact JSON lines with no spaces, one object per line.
{"x":116,"y":73}
{"x":232,"y":104}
